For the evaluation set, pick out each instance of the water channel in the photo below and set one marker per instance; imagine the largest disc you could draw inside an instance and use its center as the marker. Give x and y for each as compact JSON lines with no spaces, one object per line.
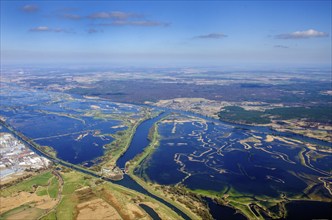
{"x":140,"y":140}
{"x":127,"y":181}
{"x":138,"y":144}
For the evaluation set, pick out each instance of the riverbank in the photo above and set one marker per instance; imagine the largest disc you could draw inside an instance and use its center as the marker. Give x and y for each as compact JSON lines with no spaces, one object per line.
{"x":157,"y":190}
{"x":246,"y":203}
{"x":73,"y":195}
{"x":121,"y":140}
{"x":174,"y":194}
{"x":127,"y":184}
{"x":276,"y":116}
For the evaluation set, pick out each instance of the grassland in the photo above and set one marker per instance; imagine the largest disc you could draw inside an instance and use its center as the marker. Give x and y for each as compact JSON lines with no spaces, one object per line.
{"x":240,"y":115}
{"x":313,"y":122}
{"x":78,"y":195}
{"x":50,"y":216}
{"x":242,"y":202}
{"x":122,"y":139}
{"x":29,"y":185}
{"x":79,"y":188}
{"x":31,"y":198}
{"x":120,"y":144}
{"x":53,"y":188}
{"x":22,"y":212}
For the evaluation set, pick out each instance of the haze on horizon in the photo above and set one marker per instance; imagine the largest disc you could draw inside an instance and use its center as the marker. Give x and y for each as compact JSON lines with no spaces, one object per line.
{"x":166,"y":32}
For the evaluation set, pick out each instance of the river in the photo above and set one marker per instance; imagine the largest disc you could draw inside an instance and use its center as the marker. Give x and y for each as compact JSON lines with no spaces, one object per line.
{"x":139,"y":141}
{"x":127,"y":181}
{"x":137,"y":145}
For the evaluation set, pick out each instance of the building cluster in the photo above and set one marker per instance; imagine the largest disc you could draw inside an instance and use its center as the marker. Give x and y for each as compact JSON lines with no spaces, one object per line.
{"x":16,"y":157}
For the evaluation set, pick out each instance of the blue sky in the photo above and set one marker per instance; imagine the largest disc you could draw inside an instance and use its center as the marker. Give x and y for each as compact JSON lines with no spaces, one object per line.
{"x":166,"y":32}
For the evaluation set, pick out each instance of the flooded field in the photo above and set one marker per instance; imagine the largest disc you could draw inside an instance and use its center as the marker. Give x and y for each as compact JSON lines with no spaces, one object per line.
{"x":251,"y":171}
{"x":76,"y":128}
{"x":242,"y":164}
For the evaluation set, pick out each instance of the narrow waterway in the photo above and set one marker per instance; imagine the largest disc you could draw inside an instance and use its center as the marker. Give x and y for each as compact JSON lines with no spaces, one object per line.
{"x":223,"y":212}
{"x":150,"y":211}
{"x":140,"y":140}
{"x":127,"y":181}
{"x":260,"y":128}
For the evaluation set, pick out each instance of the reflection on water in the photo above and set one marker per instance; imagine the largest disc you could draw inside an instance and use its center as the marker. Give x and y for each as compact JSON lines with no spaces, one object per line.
{"x":150,"y":211}
{"x":308,"y":210}
{"x":139,"y":141}
{"x":223,"y":212}
{"x":247,"y":163}
{"x":243,"y":162}
{"x":66,"y":124}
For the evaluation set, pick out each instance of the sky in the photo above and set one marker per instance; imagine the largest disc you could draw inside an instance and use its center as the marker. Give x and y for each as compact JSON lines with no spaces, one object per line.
{"x":167,"y":32}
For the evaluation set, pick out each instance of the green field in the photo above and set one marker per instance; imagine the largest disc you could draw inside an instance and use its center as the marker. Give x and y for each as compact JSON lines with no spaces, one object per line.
{"x":19,"y":212}
{"x":240,"y":115}
{"x":50,"y":216}
{"x":53,"y":188}
{"x":27,"y":185}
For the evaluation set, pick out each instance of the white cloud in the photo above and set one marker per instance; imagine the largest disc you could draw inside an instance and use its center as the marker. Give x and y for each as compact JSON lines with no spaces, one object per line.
{"x":40,"y":28}
{"x":48,"y":29}
{"x":113,"y":15}
{"x":115,"y":18}
{"x":311,"y":33}
{"x":119,"y":18}
{"x":212,"y":36}
{"x":135,"y":23}
{"x":30,"y":8}
{"x":281,"y":46}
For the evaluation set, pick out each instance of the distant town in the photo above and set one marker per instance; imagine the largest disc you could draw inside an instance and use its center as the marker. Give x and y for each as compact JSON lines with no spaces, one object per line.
{"x":16,"y":158}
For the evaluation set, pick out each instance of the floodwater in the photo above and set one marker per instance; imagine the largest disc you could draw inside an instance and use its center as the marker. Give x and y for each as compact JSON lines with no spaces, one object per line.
{"x":139,"y":141}
{"x":308,"y":210}
{"x":63,"y":123}
{"x":150,"y":211}
{"x":200,"y":153}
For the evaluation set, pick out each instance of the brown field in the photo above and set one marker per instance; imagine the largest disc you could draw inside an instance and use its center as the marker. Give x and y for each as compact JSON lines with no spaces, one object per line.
{"x":29,"y":213}
{"x":80,"y":197}
{"x":41,"y":202}
{"x":127,"y":210}
{"x":14,"y":177}
{"x":96,"y":209}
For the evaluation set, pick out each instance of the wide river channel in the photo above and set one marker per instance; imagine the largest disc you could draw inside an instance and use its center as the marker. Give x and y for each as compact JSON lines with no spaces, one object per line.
{"x":140,"y":141}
